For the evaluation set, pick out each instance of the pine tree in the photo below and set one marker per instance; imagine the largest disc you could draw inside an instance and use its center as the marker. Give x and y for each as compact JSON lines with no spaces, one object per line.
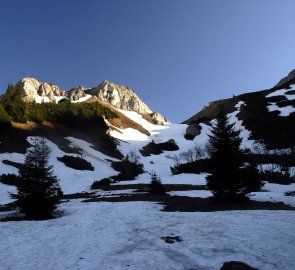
{"x":38,"y":190}
{"x":156,"y":186}
{"x":228,"y":179}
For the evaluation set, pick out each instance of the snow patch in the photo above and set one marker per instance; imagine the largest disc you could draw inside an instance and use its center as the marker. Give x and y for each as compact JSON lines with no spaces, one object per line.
{"x":244,"y":134}
{"x":192,"y":193}
{"x":82,"y":99}
{"x":283,"y":111}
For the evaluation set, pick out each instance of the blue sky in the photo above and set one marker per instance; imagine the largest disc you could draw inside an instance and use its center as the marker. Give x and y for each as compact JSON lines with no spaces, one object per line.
{"x":177,"y":55}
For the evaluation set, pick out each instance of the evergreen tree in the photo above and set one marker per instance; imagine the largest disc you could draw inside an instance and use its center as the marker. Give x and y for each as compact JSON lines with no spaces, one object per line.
{"x":229,"y":178}
{"x":9,"y":91}
{"x":156,"y":186}
{"x":4,"y":119}
{"x":38,"y":190}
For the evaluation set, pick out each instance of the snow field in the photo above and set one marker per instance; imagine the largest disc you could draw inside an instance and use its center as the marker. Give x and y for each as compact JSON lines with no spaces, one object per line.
{"x":40,"y":99}
{"x":128,"y":236}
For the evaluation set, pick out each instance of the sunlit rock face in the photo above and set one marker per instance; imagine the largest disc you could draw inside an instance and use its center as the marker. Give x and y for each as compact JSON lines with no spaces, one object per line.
{"x":119,"y":96}
{"x":32,"y":88}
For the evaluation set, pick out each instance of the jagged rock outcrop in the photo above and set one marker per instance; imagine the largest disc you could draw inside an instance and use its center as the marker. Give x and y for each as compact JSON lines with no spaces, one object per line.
{"x":32,"y":88}
{"x":76,"y":93}
{"x":29,"y":88}
{"x":124,"y":98}
{"x":121,"y":97}
{"x":286,"y":81}
{"x":158,"y":118}
{"x":50,"y":90}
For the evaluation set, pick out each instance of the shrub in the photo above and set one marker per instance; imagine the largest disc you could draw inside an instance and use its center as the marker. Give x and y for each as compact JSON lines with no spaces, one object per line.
{"x":194,"y":160}
{"x":153,"y":148}
{"x":252,"y":178}
{"x":129,"y":167}
{"x":198,"y":166}
{"x":277,"y":177}
{"x":9,"y":179}
{"x":76,"y":163}
{"x":4,"y":118}
{"x":105,"y":182}
{"x":156,"y":186}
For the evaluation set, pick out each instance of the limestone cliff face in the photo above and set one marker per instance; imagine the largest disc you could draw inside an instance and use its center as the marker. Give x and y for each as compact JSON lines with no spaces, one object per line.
{"x":121,"y":97}
{"x":76,"y":93}
{"x":32,"y":88}
{"x":124,"y":98}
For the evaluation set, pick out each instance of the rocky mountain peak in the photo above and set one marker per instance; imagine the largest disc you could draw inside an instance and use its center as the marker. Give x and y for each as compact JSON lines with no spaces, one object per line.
{"x":121,"y":97}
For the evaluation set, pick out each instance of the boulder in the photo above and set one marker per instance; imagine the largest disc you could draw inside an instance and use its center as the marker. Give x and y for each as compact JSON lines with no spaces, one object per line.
{"x":236,"y":265}
{"x":158,"y":118}
{"x":121,"y":97}
{"x":76,"y":93}
{"x":192,"y":131}
{"x":153,"y":148}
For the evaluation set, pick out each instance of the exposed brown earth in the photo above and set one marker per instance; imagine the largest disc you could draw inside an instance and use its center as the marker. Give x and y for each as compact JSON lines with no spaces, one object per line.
{"x":122,"y":121}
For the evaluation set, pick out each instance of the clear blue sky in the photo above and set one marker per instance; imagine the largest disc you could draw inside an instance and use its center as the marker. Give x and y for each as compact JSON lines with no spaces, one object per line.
{"x":176,"y":54}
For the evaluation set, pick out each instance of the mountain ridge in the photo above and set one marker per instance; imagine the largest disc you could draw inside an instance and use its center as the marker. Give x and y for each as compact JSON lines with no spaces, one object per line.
{"x":120,"y":97}
{"x":268,"y":114}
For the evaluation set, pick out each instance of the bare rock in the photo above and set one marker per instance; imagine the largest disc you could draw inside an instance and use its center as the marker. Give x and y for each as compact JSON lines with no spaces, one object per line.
{"x":153,"y":148}
{"x":29,"y":88}
{"x":32,"y":88}
{"x":192,"y":131}
{"x":235,"y":265}
{"x":76,"y":93}
{"x":286,"y":81}
{"x":158,"y":118}
{"x":121,"y":97}
{"x":45,"y":90}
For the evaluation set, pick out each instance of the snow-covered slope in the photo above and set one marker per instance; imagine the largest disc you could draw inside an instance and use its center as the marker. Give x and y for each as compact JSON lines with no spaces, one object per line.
{"x":283,"y":93}
{"x":129,"y":235}
{"x":71,"y":180}
{"x":129,"y":140}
